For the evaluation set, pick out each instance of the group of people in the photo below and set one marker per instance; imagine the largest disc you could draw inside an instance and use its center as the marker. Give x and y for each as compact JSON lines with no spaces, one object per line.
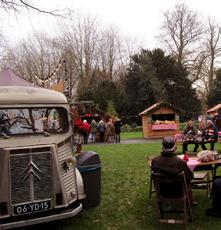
{"x":106,"y":131}
{"x":168,"y":163}
{"x":96,"y":131}
{"x":207,"y":133}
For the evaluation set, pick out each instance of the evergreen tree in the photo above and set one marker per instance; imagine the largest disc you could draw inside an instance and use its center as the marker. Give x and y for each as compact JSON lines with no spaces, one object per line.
{"x":153,"y":76}
{"x":142,"y":86}
{"x":177,"y":85}
{"x":104,"y":92}
{"x":215,"y":96}
{"x":111,"y":108}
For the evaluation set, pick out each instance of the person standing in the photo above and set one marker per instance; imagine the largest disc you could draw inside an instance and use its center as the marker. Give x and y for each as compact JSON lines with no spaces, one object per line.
{"x":77,"y":135}
{"x":110,"y":131}
{"x":117,"y":126}
{"x":86,"y":129}
{"x":101,"y":129}
{"x":93,"y":130}
{"x":77,"y":139}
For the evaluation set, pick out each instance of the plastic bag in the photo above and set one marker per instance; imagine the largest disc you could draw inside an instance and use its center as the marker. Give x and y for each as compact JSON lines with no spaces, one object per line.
{"x":207,"y":155}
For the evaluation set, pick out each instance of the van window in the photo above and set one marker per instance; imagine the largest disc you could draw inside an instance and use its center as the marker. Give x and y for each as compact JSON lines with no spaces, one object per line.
{"x":33,"y":120}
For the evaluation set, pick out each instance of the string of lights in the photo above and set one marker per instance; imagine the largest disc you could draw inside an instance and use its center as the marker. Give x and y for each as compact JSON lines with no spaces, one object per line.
{"x":52,"y":78}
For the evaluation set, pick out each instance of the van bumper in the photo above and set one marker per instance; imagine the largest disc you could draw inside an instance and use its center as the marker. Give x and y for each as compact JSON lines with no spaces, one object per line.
{"x":58,"y":216}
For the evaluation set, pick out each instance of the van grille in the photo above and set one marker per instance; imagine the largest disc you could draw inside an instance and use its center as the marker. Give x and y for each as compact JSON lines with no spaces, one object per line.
{"x":68,"y":176}
{"x":30,"y":175}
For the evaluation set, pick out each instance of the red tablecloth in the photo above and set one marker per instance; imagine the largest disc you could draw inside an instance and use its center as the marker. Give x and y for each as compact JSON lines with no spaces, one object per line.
{"x":192,"y":163}
{"x":164,"y":127}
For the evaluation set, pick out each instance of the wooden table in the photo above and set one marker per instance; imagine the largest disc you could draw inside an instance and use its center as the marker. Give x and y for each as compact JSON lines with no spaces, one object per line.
{"x":211,"y":165}
{"x":201,"y":166}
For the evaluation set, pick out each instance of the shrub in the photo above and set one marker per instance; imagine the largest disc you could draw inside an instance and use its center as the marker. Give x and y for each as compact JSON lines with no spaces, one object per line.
{"x":131,"y":128}
{"x":126,"y":128}
{"x":133,"y":125}
{"x":138,"y":129}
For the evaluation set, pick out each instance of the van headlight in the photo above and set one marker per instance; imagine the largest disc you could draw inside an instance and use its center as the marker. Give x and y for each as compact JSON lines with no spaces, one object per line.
{"x":69,"y":163}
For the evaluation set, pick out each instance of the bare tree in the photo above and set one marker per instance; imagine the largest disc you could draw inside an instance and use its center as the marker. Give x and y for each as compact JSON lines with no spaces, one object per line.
{"x":213,"y":51}
{"x":182,"y":34}
{"x":79,"y":36}
{"x":82,"y":56}
{"x":17,"y":5}
{"x":182,"y":28}
{"x":96,"y":54}
{"x":113,"y":55}
{"x":37,"y":59}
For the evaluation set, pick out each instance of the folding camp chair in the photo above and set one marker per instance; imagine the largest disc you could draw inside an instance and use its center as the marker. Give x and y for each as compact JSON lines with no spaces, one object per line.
{"x":151,"y":189}
{"x":172,"y":198}
{"x":202,"y":180}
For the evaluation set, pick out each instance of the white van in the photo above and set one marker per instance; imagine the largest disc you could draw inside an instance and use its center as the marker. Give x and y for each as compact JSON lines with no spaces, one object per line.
{"x":39,"y":181}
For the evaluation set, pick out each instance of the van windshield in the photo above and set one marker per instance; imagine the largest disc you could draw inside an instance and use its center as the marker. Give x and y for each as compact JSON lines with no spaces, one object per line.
{"x":33,"y":120}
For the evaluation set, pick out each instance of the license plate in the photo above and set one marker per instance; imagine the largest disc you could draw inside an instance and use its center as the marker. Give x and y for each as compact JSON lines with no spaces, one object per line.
{"x":32,"y":207}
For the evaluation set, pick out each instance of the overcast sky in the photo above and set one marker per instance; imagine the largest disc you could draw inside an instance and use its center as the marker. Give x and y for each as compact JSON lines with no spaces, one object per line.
{"x":137,"y":19}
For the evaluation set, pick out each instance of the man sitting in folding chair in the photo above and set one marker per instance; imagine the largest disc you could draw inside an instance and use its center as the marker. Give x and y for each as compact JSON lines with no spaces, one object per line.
{"x":168,"y":164}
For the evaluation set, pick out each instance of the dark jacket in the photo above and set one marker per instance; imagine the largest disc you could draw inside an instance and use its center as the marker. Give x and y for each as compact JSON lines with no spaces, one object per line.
{"x":210,"y":132}
{"x":190,"y":132}
{"x":117,"y":126}
{"x":169,"y":163}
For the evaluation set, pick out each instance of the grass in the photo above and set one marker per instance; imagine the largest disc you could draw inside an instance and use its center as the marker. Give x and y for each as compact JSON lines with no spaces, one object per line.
{"x":125,"y":204}
{"x":131,"y":135}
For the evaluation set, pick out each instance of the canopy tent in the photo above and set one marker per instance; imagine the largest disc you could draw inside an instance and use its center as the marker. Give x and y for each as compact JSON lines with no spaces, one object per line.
{"x":9,"y":78}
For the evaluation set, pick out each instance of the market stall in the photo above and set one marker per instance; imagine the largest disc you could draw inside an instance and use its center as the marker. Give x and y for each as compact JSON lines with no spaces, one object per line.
{"x":160,"y":120}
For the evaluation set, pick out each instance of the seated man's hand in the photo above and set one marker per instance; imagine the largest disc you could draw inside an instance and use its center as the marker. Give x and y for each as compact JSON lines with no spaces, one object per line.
{"x":186,"y":140}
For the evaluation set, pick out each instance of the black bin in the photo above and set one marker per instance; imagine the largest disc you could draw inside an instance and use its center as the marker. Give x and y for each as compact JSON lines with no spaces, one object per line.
{"x":89,"y":165}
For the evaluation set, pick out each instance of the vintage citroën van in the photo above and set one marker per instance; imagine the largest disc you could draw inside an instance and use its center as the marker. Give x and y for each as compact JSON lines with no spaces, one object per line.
{"x":39,"y":181}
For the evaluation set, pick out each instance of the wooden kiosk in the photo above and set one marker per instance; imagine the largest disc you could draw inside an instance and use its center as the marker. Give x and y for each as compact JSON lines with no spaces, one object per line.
{"x":160,"y":120}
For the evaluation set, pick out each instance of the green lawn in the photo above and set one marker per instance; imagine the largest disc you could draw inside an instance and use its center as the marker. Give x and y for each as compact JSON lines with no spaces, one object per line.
{"x":124,"y":195}
{"x":131,"y":135}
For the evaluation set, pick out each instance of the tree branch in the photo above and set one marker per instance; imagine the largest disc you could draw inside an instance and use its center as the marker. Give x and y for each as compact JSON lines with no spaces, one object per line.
{"x":15,"y":5}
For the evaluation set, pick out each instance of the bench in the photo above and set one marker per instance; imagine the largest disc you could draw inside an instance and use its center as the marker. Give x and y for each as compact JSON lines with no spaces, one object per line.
{"x":179,"y":138}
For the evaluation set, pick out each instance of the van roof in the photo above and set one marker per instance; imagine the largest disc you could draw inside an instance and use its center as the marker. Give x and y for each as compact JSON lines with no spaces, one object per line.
{"x":30,"y":95}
